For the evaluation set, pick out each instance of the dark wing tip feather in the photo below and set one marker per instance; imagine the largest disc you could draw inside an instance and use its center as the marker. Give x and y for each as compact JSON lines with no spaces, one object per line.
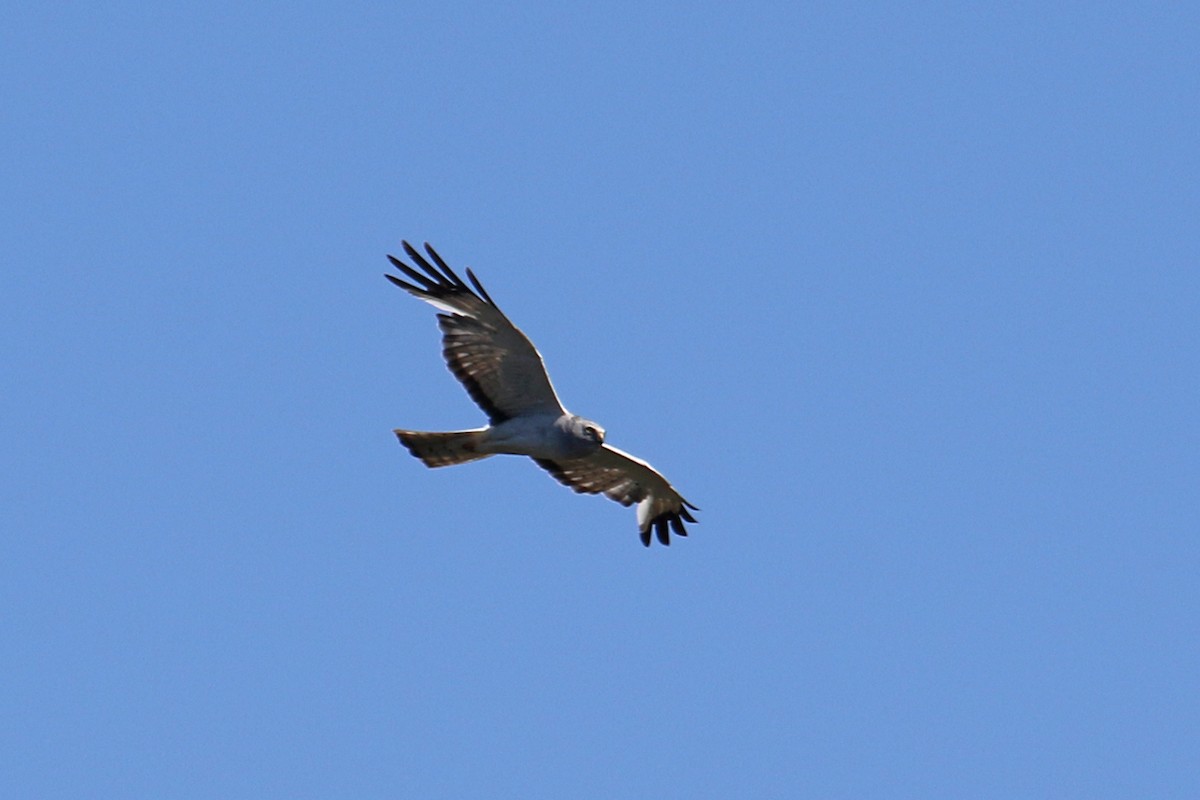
{"x":411,"y":251}
{"x":437,"y":279}
{"x":479,"y":287}
{"x":661,"y":531}
{"x":406,"y":286}
{"x":430,"y":284}
{"x":457,"y":281}
{"x":677,"y":526}
{"x":420,"y":292}
{"x":665,"y":523}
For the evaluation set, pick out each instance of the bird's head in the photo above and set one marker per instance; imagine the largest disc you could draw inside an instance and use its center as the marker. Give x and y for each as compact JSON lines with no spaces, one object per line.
{"x":588,"y":430}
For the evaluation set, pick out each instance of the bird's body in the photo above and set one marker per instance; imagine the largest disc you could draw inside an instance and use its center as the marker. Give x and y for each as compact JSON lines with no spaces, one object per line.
{"x":504,"y":374}
{"x":537,"y":436}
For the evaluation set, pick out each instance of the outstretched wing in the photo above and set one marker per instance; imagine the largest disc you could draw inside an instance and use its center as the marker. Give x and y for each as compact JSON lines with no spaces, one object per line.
{"x":628,"y":480}
{"x":500,"y":368}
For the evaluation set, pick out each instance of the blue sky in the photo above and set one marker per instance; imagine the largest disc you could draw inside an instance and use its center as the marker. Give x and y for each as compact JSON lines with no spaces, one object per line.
{"x":904,"y":298}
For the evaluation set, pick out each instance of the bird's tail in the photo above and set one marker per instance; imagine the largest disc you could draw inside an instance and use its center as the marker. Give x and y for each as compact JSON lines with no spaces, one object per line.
{"x":444,"y":449}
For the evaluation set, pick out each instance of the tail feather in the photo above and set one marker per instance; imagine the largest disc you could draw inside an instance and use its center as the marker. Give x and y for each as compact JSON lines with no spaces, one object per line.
{"x":443,"y":449}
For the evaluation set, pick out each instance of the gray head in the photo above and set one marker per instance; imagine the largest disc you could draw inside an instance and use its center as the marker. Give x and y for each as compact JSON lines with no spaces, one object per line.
{"x":587,"y":430}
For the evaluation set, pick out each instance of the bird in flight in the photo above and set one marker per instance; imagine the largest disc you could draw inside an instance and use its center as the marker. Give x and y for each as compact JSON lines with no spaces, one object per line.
{"x":503,"y":373}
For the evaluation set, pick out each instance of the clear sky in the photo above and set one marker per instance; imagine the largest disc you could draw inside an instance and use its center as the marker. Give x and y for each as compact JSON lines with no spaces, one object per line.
{"x":906,"y":299}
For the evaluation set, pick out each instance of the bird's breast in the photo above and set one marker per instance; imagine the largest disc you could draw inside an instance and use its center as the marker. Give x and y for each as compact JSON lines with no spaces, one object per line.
{"x":535,"y":436}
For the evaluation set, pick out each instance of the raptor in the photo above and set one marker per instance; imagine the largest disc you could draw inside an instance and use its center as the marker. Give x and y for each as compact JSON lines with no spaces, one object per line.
{"x":504,"y":374}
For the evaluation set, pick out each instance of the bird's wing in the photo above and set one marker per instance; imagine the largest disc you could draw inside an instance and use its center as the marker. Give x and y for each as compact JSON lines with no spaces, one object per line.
{"x":500,"y":368}
{"x":627,"y":480}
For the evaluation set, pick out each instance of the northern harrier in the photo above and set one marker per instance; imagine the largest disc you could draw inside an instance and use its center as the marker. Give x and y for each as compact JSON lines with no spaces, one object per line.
{"x":504,"y":374}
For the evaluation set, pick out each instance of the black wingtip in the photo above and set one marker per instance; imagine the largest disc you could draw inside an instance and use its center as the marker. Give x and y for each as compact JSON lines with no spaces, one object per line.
{"x":677,"y":526}
{"x":457,"y":281}
{"x":479,"y":287}
{"x":421,"y":262}
{"x":427,"y":284}
{"x":437,"y":278}
{"x":662,"y":531}
{"x":662,"y":526}
{"x":408,"y":287}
